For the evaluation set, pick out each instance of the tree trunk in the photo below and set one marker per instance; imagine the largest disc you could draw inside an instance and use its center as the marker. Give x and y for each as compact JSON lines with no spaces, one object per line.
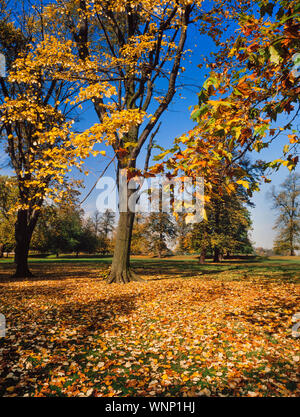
{"x":217,"y":255}
{"x":202,"y":256}
{"x":1,"y":250}
{"x":120,"y":268}
{"x":23,"y":234}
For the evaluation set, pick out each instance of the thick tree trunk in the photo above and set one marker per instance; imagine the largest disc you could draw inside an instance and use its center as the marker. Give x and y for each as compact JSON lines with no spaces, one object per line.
{"x":120,"y":268}
{"x":1,"y":250}
{"x":23,"y":234}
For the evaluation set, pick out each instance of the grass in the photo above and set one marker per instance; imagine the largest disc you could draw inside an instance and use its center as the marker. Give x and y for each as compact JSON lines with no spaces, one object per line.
{"x":286,"y":269}
{"x":189,"y":330}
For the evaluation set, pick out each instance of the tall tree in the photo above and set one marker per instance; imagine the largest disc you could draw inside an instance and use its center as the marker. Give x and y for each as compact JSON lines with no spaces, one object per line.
{"x":287,"y":203}
{"x":34,"y":111}
{"x":135,"y":46}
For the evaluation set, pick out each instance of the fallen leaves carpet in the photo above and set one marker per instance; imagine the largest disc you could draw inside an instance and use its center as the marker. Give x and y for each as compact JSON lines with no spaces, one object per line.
{"x":71,"y":334}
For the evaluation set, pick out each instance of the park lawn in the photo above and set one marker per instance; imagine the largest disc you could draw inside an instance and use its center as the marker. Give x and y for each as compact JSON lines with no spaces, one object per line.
{"x":188,"y":330}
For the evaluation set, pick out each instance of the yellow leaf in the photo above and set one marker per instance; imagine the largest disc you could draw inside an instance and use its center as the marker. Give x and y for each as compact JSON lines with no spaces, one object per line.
{"x":243,"y":183}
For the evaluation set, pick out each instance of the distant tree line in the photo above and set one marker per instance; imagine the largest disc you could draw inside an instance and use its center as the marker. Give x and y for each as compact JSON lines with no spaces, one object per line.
{"x":61,"y":228}
{"x":64,"y":228}
{"x":224,"y":231}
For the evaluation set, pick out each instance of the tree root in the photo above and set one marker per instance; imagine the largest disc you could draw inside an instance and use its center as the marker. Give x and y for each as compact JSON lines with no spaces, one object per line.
{"x":123,"y":277}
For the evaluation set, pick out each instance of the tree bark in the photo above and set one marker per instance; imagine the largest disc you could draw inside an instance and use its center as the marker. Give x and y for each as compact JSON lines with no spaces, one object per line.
{"x":202,"y":256}
{"x":217,"y":254}
{"x":23,"y":233}
{"x":1,"y":250}
{"x":120,"y":268}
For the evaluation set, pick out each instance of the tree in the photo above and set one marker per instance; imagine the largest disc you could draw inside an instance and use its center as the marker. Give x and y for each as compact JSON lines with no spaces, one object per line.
{"x":225,"y":231}
{"x":88,"y":241}
{"x":159,"y":228}
{"x":107,"y":223}
{"x":41,"y":240}
{"x":103,"y":226}
{"x":287,"y":203}
{"x":62,"y":229}
{"x":133,"y":46}
{"x":182,"y":231}
{"x":64,"y":235}
{"x":96,"y":219}
{"x":34,"y":111}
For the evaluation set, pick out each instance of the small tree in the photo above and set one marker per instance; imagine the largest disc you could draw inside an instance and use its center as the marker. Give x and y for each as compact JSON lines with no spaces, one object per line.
{"x":159,"y":229}
{"x":182,"y":230}
{"x":88,"y":241}
{"x":107,"y":223}
{"x":287,"y":203}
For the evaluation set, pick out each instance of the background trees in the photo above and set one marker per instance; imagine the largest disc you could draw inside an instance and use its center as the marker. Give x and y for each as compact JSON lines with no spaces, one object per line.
{"x":64,"y":229}
{"x":160,"y":229}
{"x":225,"y":231}
{"x":287,"y":203}
{"x":103,"y":225}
